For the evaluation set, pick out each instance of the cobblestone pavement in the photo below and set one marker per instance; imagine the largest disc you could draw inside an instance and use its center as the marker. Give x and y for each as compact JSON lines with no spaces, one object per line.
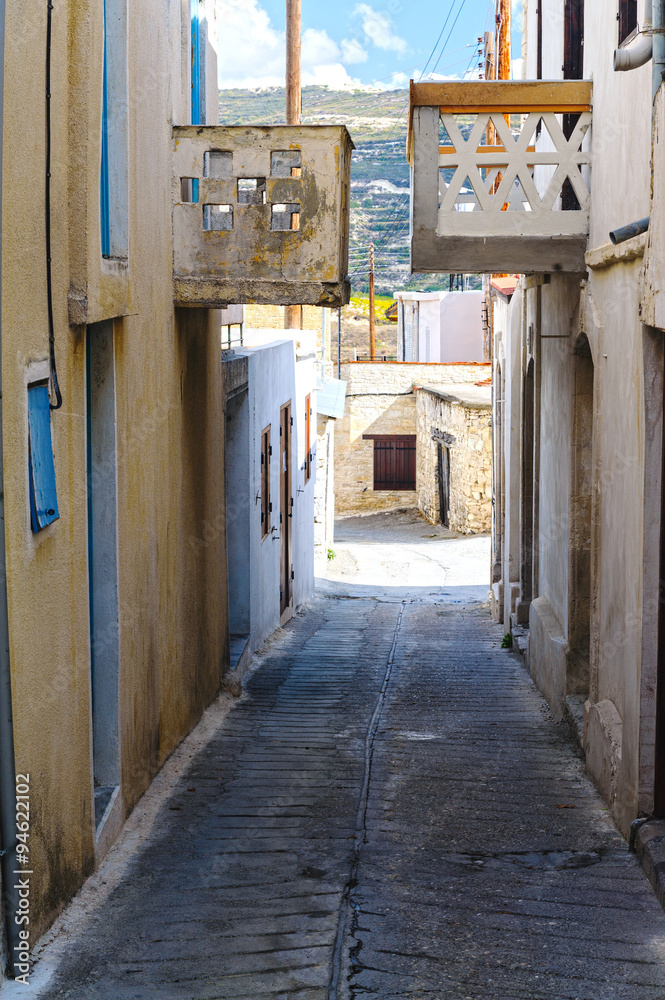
{"x":388,"y":812}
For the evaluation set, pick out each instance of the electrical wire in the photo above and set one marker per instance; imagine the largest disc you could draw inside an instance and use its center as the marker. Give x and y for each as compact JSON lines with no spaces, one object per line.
{"x":436,"y":44}
{"x":49,"y":266}
{"x":462,"y":6}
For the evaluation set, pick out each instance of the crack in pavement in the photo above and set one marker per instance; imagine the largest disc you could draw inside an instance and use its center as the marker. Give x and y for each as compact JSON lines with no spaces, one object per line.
{"x":347,"y":906}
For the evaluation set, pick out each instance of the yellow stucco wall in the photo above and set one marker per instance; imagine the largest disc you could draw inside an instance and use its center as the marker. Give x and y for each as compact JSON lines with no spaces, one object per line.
{"x":171,"y":544}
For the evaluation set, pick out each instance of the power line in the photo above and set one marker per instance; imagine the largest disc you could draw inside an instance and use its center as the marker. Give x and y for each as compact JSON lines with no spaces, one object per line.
{"x":463,"y":4}
{"x":438,"y":40}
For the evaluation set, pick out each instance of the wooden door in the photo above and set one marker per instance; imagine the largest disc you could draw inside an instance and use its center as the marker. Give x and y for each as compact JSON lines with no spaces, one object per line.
{"x":285,"y":508}
{"x":444,"y":485}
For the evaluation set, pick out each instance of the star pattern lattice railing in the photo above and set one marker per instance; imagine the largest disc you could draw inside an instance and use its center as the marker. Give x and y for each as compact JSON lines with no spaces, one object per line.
{"x":511,"y":175}
{"x":500,"y":175}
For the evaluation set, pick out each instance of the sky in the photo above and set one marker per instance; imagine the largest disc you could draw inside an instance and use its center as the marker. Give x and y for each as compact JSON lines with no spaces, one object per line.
{"x":348,"y":43}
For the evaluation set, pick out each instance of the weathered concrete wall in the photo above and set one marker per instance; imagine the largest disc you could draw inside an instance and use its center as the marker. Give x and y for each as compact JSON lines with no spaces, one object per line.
{"x":468,"y":430}
{"x":169,"y":433}
{"x":380,"y":400}
{"x":256,"y":254}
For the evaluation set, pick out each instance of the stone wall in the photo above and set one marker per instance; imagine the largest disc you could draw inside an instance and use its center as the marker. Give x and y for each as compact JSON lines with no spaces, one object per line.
{"x":380,"y":400}
{"x":467,"y":426}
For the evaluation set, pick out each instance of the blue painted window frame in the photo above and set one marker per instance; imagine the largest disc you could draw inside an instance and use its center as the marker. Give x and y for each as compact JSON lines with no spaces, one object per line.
{"x":43,"y":493}
{"x":196,"y":79}
{"x":105,"y":196}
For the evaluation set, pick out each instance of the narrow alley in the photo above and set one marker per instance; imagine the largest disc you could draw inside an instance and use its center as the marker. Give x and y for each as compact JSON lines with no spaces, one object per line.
{"x":389,"y":810}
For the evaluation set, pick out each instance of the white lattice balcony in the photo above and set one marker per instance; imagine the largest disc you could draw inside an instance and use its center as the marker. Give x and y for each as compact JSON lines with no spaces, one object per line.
{"x":261,"y":215}
{"x":500,"y":176}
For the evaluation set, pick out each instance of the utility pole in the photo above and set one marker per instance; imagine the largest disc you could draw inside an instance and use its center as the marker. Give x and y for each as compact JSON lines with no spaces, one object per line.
{"x":490,"y":61}
{"x":293,"y":314}
{"x":372,"y":318}
{"x":503,"y":32}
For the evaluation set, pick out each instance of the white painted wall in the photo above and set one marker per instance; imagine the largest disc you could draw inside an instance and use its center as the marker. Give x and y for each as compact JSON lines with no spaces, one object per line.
{"x":275,"y":377}
{"x":604,"y":303}
{"x":445,"y":326}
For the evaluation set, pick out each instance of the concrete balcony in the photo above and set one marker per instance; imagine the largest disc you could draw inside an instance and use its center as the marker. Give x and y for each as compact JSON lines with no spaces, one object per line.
{"x":499,"y":176}
{"x":261,"y":215}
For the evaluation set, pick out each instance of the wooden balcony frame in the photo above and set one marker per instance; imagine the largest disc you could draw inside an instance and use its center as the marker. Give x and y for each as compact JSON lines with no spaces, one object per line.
{"x":534,"y":236}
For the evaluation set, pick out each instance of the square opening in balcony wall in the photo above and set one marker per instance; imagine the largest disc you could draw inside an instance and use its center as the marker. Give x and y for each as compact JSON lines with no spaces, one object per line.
{"x":218,"y":218}
{"x":286,"y":163}
{"x":217,"y":163}
{"x":285,"y":218}
{"x":43,"y":496}
{"x":189,"y":190}
{"x":251,"y":191}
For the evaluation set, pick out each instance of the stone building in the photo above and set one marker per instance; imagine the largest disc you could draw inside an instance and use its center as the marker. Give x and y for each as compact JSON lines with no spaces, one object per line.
{"x":454,"y":456}
{"x":376,"y":440}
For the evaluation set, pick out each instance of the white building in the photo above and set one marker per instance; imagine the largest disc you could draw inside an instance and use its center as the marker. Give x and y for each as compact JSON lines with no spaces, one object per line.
{"x":270,"y":461}
{"x":579,"y":364}
{"x":439,"y":326}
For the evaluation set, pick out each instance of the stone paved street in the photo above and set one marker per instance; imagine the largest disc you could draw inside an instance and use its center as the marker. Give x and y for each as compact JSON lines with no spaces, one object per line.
{"x":389,"y":811}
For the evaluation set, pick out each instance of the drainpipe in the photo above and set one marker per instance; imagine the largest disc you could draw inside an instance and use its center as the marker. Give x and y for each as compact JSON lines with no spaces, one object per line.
{"x":658,"y":44}
{"x":649,"y":44}
{"x":7,"y":774}
{"x":640,"y":50}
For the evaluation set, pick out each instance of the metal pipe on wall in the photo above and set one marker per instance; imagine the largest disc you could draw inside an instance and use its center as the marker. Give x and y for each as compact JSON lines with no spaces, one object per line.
{"x":658,"y":45}
{"x":639,"y":51}
{"x":293,"y":314}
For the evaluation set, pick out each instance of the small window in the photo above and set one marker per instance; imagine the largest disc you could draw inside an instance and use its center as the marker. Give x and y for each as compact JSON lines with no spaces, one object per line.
{"x":218,"y":218}
{"x":251,"y":191}
{"x":308,"y":438}
{"x":189,"y":190}
{"x":43,"y":496}
{"x":627,"y":18}
{"x":286,"y":163}
{"x":285,"y":218}
{"x":218,"y":164}
{"x":394,"y":461}
{"x":266,"y":506}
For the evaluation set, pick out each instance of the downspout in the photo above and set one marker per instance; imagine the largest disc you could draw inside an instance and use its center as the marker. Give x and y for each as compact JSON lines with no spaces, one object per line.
{"x":648,"y":44}
{"x":7,"y":774}
{"x":640,"y":50}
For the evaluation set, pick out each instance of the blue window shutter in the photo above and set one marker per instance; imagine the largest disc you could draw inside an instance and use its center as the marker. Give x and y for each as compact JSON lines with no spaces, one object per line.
{"x":196,"y":80}
{"x":196,"y":64}
{"x":104,"y":194}
{"x":43,"y":497}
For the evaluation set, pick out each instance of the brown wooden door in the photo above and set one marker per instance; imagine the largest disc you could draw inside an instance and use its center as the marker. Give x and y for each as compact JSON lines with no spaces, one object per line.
{"x":285,"y":508}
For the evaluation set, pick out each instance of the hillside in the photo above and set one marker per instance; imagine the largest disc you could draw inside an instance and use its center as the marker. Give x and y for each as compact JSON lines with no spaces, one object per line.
{"x":377,"y":122}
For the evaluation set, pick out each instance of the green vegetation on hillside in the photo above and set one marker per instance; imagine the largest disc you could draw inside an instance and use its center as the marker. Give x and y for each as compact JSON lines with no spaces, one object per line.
{"x":377,"y":121}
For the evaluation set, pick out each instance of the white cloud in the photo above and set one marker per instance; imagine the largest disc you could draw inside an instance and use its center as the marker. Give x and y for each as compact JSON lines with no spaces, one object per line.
{"x":318,"y":47}
{"x":378,"y":28}
{"x":353,"y":52}
{"x":252,"y":51}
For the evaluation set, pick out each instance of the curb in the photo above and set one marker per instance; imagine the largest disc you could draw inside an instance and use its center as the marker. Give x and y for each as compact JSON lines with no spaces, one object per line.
{"x":650,"y":850}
